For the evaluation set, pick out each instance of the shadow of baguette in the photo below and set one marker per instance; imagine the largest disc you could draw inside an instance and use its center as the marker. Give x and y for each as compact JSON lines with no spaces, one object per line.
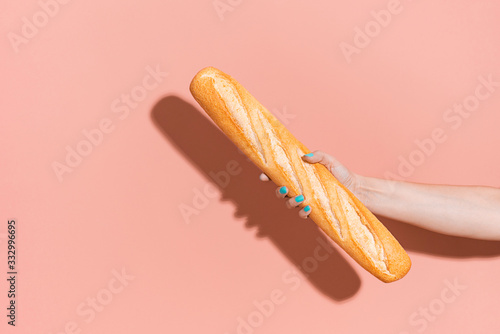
{"x":209,"y":150}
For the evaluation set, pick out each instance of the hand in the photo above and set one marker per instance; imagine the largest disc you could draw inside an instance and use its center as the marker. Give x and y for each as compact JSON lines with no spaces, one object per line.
{"x":341,"y":173}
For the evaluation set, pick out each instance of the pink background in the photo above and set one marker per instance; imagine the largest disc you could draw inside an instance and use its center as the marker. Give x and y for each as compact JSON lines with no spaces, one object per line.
{"x":119,"y":208}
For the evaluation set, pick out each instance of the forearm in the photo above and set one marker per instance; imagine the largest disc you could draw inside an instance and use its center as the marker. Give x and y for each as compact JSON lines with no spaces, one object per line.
{"x":469,"y":211}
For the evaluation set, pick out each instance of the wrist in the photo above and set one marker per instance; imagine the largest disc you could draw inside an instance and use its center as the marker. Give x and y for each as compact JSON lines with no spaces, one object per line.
{"x":364,"y":191}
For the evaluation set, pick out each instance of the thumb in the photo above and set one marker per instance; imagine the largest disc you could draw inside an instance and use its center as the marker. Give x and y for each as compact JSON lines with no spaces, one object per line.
{"x":338,"y":170}
{"x":319,"y":156}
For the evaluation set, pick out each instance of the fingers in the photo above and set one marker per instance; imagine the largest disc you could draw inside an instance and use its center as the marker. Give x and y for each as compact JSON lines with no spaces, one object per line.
{"x":315,"y":157}
{"x":264,"y":177}
{"x":304,"y":213}
{"x":281,"y":192}
{"x":294,"y":201}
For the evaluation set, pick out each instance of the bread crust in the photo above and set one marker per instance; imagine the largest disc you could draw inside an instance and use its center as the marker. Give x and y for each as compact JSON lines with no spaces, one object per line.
{"x":269,"y":144}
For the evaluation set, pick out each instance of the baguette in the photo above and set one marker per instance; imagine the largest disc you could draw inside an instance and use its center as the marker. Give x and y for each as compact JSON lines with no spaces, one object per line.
{"x":269,"y":145}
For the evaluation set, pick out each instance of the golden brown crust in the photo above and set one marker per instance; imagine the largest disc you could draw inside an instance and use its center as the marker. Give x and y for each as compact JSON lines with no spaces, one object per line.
{"x":268,"y":143}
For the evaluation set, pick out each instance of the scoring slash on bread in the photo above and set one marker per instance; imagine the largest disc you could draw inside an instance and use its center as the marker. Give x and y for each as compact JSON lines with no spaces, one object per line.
{"x":269,"y":145}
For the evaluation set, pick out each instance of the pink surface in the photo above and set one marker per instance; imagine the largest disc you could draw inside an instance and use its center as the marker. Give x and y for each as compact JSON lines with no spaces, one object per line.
{"x":234,"y":266}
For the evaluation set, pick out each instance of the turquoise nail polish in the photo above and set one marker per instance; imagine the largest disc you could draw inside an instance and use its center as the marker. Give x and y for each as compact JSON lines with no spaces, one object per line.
{"x":307,"y":208}
{"x":308,"y":155}
{"x":283,"y":190}
{"x":299,"y":198}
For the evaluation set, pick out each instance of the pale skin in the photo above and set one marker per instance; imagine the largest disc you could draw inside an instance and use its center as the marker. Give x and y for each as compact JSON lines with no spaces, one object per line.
{"x":465,"y":211}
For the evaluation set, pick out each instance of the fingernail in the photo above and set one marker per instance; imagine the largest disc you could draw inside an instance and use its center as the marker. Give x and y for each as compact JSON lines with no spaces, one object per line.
{"x":283,"y":190}
{"x":299,"y":198}
{"x":308,"y":155}
{"x":307,"y":208}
